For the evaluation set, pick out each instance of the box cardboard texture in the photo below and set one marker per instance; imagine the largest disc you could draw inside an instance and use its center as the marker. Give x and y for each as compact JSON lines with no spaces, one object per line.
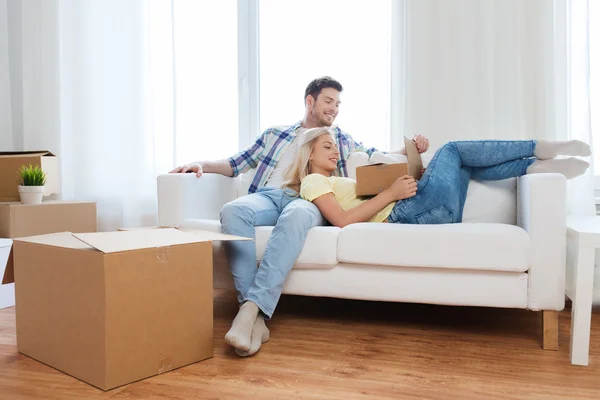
{"x":111,"y":308}
{"x":18,"y":220}
{"x":10,"y":162}
{"x":373,"y":179}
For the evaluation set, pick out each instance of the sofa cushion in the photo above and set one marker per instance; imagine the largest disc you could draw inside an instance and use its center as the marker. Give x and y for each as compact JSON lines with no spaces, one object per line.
{"x":496,"y":247}
{"x":320,"y":248}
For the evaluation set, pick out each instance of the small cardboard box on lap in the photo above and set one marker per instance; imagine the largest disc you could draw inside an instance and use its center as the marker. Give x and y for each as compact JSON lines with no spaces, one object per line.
{"x":373,"y":179}
{"x":112,"y":308}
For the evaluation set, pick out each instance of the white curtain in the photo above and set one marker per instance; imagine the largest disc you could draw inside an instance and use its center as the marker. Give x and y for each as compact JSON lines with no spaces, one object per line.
{"x":92,"y":82}
{"x":495,"y":69}
{"x":500,"y":69}
{"x":119,"y":93}
{"x":116,"y":106}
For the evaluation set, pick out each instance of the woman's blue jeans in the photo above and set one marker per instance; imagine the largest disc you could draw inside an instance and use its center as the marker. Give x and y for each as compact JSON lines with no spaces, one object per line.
{"x":442,"y":190}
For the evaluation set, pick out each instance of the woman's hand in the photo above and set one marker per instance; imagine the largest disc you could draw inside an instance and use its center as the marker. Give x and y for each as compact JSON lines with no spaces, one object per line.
{"x":403,"y":188}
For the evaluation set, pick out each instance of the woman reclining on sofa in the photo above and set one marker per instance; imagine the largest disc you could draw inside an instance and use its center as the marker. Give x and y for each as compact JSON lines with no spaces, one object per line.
{"x":439,"y":196}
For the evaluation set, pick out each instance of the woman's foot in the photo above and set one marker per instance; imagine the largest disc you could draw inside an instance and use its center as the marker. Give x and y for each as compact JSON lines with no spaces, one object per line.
{"x":547,"y":149}
{"x":239,"y":336}
{"x":260,"y":335}
{"x":569,"y":167}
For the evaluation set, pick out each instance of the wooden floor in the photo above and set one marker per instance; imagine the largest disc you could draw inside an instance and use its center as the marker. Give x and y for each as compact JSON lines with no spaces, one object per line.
{"x":343,"y":349}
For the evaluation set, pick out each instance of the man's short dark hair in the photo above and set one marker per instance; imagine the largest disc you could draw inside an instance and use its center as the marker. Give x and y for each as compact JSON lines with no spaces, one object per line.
{"x":314,"y":88}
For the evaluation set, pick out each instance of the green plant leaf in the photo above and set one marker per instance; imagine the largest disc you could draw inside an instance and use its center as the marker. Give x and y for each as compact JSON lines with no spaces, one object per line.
{"x":31,"y":175}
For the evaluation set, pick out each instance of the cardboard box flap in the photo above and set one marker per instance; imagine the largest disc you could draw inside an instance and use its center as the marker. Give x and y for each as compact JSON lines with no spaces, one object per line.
{"x":113,"y":242}
{"x":62,"y":239}
{"x":377,"y":166}
{"x":26,"y":153}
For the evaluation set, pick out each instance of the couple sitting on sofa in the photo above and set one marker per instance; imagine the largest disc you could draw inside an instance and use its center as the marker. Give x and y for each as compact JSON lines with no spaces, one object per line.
{"x":295,"y":186}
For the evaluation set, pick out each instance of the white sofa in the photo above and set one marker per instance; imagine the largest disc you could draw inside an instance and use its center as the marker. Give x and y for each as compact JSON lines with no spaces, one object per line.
{"x":510,"y":250}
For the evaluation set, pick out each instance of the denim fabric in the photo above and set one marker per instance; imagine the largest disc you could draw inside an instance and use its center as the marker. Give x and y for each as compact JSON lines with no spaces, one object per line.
{"x":442,"y":190}
{"x":292,"y":217}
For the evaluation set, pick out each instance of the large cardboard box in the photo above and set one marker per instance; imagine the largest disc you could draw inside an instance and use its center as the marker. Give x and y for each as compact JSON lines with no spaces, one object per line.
{"x":11,"y":161}
{"x":18,"y":220}
{"x":114,"y":307}
{"x":375,"y":178}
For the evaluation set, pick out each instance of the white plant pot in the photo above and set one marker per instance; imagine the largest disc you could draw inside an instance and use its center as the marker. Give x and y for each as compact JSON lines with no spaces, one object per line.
{"x":31,"y":194}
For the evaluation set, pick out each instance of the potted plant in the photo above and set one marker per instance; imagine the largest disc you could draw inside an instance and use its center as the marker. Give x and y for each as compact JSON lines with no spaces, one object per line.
{"x":31,"y":184}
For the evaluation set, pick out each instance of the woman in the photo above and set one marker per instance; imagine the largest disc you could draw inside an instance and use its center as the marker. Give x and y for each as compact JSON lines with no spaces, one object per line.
{"x":439,"y":196}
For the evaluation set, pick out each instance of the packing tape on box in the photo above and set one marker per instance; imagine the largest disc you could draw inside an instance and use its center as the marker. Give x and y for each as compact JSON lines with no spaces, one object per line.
{"x":162,"y":254}
{"x":165,"y":364}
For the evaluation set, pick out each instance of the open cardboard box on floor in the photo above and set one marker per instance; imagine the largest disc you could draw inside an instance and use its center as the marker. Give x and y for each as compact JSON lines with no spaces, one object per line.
{"x":373,"y":179}
{"x":112,"y":308}
{"x":11,"y":161}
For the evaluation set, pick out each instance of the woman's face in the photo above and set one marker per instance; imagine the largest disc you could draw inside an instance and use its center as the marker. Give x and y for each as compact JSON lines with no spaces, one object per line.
{"x":325,"y":155}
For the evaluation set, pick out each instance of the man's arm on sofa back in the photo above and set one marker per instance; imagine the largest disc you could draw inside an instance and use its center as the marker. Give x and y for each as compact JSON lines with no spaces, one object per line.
{"x":541,"y":211}
{"x":183,"y":196}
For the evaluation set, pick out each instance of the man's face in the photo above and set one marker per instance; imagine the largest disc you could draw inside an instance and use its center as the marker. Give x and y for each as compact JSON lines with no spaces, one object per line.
{"x":326,"y":107}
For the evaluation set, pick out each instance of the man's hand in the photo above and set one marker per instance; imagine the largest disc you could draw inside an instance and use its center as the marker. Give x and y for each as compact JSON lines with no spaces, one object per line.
{"x":422,"y":143}
{"x":196,"y":168}
{"x":403,"y":188}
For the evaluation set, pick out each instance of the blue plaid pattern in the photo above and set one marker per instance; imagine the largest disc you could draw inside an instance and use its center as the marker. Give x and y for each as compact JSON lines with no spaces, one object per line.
{"x":265,"y":152}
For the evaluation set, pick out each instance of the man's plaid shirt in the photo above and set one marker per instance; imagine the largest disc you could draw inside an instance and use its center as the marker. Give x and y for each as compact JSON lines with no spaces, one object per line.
{"x":268,"y":148}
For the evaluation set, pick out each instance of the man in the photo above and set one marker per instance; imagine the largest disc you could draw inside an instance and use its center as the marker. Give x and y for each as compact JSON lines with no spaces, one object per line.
{"x":267,"y":204}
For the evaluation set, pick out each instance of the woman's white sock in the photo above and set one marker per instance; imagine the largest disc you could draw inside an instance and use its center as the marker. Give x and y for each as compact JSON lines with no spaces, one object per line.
{"x":547,"y":149}
{"x":570,"y":167}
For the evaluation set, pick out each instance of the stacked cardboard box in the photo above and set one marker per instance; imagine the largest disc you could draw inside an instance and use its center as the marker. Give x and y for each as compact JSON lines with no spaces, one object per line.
{"x":10,"y":162}
{"x":18,"y":220}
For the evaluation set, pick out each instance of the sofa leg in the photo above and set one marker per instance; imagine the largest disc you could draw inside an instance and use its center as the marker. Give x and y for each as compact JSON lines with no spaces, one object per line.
{"x":550,"y":329}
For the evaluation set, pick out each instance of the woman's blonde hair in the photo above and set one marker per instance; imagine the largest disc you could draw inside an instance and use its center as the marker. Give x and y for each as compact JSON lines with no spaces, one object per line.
{"x":301,"y":165}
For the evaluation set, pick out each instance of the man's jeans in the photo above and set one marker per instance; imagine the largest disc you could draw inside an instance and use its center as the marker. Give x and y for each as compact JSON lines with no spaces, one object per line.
{"x":292,"y":218}
{"x":442,"y":190}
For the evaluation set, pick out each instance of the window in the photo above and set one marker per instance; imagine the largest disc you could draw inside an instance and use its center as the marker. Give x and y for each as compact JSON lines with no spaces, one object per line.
{"x":304,"y":39}
{"x":206,"y":83}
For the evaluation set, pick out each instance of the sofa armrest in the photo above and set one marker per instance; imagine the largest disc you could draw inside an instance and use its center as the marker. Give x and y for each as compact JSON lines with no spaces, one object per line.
{"x":184,"y":196}
{"x":541,"y":211}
